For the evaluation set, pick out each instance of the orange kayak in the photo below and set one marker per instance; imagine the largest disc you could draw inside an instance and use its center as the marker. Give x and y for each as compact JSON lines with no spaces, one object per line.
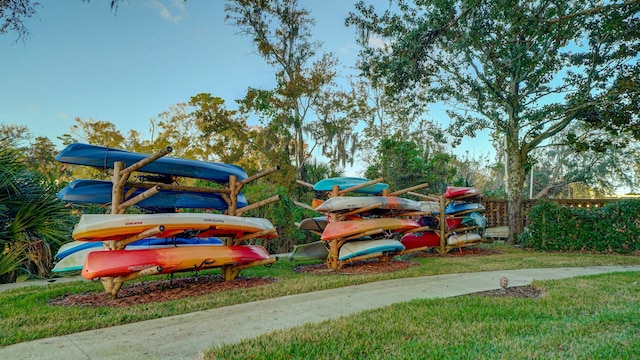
{"x":341,"y":229}
{"x":169,"y":260}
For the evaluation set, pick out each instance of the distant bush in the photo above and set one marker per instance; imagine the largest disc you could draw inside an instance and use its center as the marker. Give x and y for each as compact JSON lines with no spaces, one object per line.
{"x":283,"y":214}
{"x":614,"y":228}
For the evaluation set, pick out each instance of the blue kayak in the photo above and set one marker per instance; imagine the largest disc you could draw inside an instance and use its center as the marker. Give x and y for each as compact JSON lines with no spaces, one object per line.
{"x":103,"y":158}
{"x":99,"y":192}
{"x":351,"y":249}
{"x":75,"y":246}
{"x":349,"y":182}
{"x":453,"y":208}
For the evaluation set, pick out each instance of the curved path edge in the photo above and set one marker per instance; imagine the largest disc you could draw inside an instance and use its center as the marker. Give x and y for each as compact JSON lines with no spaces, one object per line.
{"x":186,"y":336}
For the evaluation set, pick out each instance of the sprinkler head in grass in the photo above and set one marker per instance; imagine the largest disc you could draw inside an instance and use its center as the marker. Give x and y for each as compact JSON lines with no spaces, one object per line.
{"x":504,"y":282}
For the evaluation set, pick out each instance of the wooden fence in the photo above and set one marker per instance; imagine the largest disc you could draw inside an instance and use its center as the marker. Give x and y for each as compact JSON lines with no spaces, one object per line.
{"x":497,"y":210}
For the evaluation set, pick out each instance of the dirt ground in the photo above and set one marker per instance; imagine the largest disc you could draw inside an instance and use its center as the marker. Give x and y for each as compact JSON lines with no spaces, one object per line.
{"x":166,"y":290}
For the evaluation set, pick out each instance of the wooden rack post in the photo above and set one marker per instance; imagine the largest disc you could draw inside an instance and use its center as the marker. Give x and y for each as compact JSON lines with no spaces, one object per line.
{"x":442,"y":225}
{"x":230,"y":272}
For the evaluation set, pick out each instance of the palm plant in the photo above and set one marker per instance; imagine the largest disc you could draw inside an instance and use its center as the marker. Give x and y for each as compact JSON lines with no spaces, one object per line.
{"x":32,"y":219}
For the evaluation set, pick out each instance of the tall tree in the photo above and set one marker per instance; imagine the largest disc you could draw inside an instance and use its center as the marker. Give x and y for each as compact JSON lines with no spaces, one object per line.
{"x":525,"y":69}
{"x":281,"y":32}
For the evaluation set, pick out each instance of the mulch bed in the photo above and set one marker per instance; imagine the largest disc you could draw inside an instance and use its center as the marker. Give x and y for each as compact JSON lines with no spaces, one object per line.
{"x":526,"y":291}
{"x":178,"y":288}
{"x":161,"y":290}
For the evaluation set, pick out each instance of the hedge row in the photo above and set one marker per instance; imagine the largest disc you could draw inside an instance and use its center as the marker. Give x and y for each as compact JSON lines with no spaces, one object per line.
{"x":612,"y":228}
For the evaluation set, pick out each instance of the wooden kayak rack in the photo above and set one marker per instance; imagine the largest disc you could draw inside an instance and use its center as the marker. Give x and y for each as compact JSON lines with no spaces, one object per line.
{"x":443,"y":248}
{"x":120,"y":178}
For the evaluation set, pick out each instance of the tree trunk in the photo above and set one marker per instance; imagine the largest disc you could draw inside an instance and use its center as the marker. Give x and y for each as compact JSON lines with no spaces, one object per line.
{"x":515,"y":191}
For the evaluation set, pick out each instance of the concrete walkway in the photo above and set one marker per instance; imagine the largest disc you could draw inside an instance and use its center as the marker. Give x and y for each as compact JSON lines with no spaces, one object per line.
{"x":186,"y":336}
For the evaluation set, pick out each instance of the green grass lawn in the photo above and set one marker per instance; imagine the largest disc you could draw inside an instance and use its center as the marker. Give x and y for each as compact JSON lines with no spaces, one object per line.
{"x":596,"y":317}
{"x":25,"y":315}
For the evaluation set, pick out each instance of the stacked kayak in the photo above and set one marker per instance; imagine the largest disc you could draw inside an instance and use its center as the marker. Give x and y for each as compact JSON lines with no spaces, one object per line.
{"x":169,"y":260}
{"x":108,"y":227}
{"x":104,"y":158}
{"x":345,"y":183}
{"x":378,"y":204}
{"x":366,"y":224}
{"x":100,"y":192}
{"x":371,"y":222}
{"x":184,"y":241}
{"x":463,"y":215}
{"x":72,"y":256}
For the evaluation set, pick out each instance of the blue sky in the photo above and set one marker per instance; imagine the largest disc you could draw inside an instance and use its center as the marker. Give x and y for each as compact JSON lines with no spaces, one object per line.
{"x":83,"y":60}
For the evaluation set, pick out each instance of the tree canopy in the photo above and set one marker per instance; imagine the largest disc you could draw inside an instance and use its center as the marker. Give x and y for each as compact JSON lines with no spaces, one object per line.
{"x":525,"y":70}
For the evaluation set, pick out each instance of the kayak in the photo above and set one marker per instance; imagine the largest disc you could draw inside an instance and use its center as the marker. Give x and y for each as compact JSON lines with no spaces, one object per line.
{"x":420,"y":240}
{"x":106,"y":227}
{"x":75,"y":246}
{"x":112,"y":263}
{"x":353,"y":249}
{"x":342,"y":229}
{"x":349,"y":182}
{"x":101,"y":157}
{"x":76,"y":260}
{"x":100,"y":192}
{"x":387,"y":203}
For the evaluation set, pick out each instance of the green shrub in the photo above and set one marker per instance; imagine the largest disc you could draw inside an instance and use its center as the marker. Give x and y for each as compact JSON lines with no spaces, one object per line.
{"x":283,"y":214}
{"x":612,"y":228}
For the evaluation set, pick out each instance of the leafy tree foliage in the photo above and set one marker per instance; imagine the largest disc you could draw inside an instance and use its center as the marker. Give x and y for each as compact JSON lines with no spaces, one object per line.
{"x":281,"y":32}
{"x":32,"y":219}
{"x":13,"y":13}
{"x":526,"y":70}
{"x":39,"y":152}
{"x":402,"y":166}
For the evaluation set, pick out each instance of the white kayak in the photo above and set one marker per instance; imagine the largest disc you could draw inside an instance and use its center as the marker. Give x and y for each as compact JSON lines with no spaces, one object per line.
{"x":386,"y":203}
{"x":103,"y":227}
{"x":464,"y":238}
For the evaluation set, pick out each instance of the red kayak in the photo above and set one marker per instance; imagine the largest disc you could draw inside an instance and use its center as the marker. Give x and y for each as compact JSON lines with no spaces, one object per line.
{"x":169,"y":260}
{"x":420,"y":239}
{"x":458,"y":192}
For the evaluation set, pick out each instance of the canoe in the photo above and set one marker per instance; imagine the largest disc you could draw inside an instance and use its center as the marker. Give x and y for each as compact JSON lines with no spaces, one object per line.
{"x":313,"y":224}
{"x":313,"y":251}
{"x":75,"y":261}
{"x":341,"y":229}
{"x":99,"y":192}
{"x":349,"y":182}
{"x":172,"y":259}
{"x":464,"y":238}
{"x":74,"y":246}
{"x":103,"y":227}
{"x":352,"y":249}
{"x":459,"y":207}
{"x":460,"y":192}
{"x":420,"y":240}
{"x":103,"y":158}
{"x":347,"y":203}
